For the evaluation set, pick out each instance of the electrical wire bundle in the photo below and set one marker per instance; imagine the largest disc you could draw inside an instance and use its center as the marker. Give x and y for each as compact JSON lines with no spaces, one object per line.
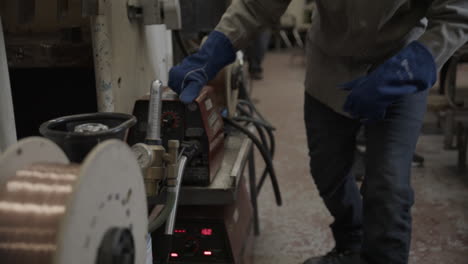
{"x":264,"y":142}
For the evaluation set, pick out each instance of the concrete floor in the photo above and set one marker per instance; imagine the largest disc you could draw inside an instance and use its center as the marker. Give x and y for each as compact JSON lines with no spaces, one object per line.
{"x":299,"y":229}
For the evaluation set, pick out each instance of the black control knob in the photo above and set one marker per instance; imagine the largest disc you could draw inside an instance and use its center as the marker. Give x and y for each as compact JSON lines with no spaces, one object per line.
{"x":168,"y":121}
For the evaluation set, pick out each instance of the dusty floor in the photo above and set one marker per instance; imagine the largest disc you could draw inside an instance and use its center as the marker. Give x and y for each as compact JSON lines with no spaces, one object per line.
{"x":299,"y":229}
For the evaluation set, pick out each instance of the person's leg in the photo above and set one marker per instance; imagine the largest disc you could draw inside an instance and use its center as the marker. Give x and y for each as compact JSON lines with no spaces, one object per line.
{"x":331,"y":141}
{"x":387,"y":192}
{"x":253,"y":56}
{"x":256,"y":52}
{"x":264,"y":41}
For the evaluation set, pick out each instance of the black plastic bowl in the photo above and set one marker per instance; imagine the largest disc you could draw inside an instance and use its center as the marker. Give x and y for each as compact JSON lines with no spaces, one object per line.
{"x":76,"y":144}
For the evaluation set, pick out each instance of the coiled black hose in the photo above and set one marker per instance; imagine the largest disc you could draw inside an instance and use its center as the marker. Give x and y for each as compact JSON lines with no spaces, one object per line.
{"x":266,"y":157}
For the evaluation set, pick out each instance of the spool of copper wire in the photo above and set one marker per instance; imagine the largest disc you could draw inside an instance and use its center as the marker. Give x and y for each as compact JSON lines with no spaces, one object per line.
{"x":32,"y":205}
{"x":55,"y":212}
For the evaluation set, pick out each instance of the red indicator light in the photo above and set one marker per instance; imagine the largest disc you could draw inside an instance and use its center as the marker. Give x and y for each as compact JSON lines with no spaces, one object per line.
{"x":207,"y":253}
{"x":180,"y":231}
{"x":174,"y":255}
{"x":207,"y":231}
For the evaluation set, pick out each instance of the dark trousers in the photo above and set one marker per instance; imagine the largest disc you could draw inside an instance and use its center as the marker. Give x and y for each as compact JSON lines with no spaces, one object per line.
{"x":256,"y":51}
{"x":376,"y":220}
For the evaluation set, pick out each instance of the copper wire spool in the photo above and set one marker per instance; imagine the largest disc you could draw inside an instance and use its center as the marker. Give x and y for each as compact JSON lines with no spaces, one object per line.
{"x":32,"y":205}
{"x":55,"y":212}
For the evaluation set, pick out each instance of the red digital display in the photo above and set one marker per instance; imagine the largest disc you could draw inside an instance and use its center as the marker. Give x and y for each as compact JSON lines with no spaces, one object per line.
{"x":207,"y":231}
{"x":207,"y":253}
{"x":180,"y":231}
{"x":174,"y":255}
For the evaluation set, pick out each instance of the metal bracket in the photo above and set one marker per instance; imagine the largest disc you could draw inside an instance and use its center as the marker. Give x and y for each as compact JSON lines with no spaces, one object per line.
{"x":147,"y":11}
{"x":171,"y":14}
{"x":151,"y":12}
{"x":154,"y":12}
{"x":134,"y":10}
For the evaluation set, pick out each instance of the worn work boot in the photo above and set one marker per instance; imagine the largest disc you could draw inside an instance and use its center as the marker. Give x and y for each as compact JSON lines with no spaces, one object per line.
{"x":336,"y":257}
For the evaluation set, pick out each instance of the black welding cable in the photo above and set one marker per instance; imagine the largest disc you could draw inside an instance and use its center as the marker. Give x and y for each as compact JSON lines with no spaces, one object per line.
{"x":255,"y":121}
{"x":259,"y":126}
{"x":250,"y":104}
{"x":247,"y":117}
{"x":244,"y":111}
{"x":250,"y":112}
{"x":272,"y":147}
{"x":181,"y":43}
{"x":261,"y":134}
{"x":272,"y":142}
{"x":268,"y":129}
{"x":267,"y":171}
{"x":272,"y":150}
{"x":266,"y":157}
{"x":272,"y":153}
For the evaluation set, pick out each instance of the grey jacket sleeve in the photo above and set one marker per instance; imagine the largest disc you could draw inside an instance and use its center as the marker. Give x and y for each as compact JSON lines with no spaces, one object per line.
{"x":447,"y":28}
{"x":244,"y":18}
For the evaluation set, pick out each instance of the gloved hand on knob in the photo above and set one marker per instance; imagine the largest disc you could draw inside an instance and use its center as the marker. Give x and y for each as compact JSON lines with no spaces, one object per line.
{"x":189,"y":77}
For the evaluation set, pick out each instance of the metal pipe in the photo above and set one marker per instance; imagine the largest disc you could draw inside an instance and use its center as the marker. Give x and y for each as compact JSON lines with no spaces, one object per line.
{"x":170,"y":209}
{"x":253,"y":191}
{"x":163,"y":215}
{"x":153,"y":131}
{"x":7,"y":117}
{"x":102,"y":50}
{"x":176,"y":190}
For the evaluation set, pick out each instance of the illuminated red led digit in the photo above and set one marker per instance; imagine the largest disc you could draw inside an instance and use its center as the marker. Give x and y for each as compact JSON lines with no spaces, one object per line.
{"x":207,"y":231}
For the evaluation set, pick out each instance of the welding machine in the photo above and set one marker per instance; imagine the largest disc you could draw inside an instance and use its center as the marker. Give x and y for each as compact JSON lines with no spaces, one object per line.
{"x":199,"y":122}
{"x":211,"y":234}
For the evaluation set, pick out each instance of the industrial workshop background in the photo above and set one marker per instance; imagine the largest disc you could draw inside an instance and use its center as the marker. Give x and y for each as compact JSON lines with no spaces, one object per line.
{"x":102,"y":162}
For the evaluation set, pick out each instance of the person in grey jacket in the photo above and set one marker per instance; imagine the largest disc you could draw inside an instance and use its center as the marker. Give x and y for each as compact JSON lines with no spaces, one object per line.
{"x":369,"y":63}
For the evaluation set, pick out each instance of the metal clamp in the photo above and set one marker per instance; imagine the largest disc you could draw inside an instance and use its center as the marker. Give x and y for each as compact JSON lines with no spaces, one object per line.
{"x":155,"y":12}
{"x":171,"y":14}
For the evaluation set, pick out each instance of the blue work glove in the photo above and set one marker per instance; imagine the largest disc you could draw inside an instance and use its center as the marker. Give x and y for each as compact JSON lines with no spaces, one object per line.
{"x":189,"y":77}
{"x":411,"y":70}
